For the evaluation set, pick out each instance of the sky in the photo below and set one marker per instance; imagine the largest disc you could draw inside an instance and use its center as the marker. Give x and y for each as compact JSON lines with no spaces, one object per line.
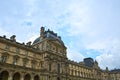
{"x":89,"y":28}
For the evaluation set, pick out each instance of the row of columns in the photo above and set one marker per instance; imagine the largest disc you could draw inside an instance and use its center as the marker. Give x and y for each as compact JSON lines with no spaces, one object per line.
{"x":81,"y":74}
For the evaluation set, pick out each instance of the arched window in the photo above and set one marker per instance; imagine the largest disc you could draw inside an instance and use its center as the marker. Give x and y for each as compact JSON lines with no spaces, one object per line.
{"x":58,"y":78}
{"x":27,"y":77}
{"x":36,"y":77}
{"x":16,"y":76}
{"x":4,"y":75}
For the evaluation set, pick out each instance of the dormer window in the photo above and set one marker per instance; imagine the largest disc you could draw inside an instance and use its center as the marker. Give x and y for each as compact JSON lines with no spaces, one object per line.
{"x":48,"y":34}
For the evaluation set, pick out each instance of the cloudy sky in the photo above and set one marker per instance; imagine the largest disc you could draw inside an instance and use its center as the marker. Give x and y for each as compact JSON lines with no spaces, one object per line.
{"x":89,"y":28}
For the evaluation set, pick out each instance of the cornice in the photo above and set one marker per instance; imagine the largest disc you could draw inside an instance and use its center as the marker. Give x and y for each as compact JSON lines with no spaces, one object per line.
{"x":17,"y":44}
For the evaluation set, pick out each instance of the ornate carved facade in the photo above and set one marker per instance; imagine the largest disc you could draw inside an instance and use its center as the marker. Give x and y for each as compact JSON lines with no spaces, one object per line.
{"x":45,"y":59}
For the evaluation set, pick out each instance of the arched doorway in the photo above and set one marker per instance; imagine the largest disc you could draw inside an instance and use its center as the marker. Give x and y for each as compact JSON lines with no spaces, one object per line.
{"x":27,"y":77}
{"x":58,"y":78}
{"x":4,"y":75}
{"x":36,"y":77}
{"x":16,"y":76}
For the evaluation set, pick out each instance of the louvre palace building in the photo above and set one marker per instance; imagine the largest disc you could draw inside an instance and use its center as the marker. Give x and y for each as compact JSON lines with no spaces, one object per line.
{"x":46,"y":59}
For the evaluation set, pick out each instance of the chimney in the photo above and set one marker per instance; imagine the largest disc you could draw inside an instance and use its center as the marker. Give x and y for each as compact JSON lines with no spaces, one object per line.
{"x":29,"y":43}
{"x":41,"y":33}
{"x":4,"y":36}
{"x":12,"y":38}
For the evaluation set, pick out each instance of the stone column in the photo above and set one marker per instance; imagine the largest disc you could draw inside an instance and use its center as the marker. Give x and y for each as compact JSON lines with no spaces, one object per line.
{"x":32,"y":77}
{"x":10,"y":76}
{"x":22,"y":77}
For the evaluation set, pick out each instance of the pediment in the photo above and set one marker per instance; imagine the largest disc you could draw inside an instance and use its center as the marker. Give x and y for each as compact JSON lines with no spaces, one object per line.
{"x":57,"y":42}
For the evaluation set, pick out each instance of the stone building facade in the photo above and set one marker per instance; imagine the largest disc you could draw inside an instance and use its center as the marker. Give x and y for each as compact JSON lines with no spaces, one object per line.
{"x":45,"y":59}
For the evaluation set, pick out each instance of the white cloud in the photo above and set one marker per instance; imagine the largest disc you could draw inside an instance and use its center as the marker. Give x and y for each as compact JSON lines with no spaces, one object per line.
{"x":109,"y":49}
{"x":74,"y":55}
{"x":73,"y":52}
{"x":110,"y":57}
{"x":31,"y":37}
{"x":78,"y":18}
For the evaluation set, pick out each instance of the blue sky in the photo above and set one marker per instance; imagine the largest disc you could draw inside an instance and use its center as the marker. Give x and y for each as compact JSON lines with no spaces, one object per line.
{"x":89,"y":28}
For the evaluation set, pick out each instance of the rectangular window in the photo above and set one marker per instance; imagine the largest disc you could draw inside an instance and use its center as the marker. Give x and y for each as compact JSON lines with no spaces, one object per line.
{"x":26,"y":53}
{"x":58,"y":68}
{"x":24,"y":63}
{"x":32,"y":65}
{"x":56,"y":49}
{"x":41,"y":64}
{"x":3,"y":59}
{"x":49,"y":67}
{"x":15,"y":61}
{"x":17,"y":50}
{"x":63,"y":52}
{"x":42,"y":46}
{"x":49,"y":47}
{"x":7,"y":47}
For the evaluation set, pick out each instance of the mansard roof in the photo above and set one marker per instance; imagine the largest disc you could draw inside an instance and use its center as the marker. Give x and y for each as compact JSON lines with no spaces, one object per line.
{"x":49,"y":35}
{"x":115,"y":71}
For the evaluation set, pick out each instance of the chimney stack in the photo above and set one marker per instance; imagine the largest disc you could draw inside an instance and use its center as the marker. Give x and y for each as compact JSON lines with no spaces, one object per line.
{"x":13,"y":38}
{"x":41,"y":33}
{"x":29,"y":43}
